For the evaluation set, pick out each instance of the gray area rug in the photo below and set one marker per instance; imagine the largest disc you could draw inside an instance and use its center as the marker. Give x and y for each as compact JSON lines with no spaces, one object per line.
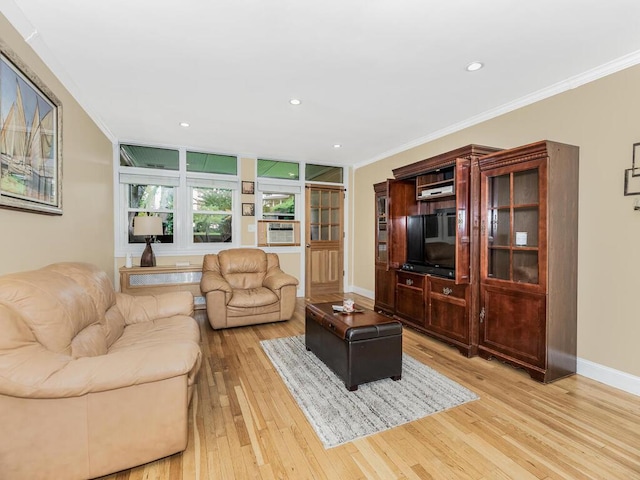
{"x":339,"y":416}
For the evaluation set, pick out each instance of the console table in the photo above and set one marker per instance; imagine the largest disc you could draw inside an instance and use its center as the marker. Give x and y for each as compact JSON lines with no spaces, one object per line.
{"x":163,"y":278}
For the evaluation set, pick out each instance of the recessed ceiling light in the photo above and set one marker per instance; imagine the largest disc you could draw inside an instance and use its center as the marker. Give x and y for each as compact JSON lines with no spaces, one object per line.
{"x":473,"y":66}
{"x":184,"y":124}
{"x":337,"y":145}
{"x":295,"y":101}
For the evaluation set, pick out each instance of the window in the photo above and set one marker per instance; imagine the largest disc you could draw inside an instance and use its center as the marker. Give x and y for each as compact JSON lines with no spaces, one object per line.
{"x":196,"y":195}
{"x":322,"y":173}
{"x":278,"y":169}
{"x":278,"y":206}
{"x":212,"y":214}
{"x":151,"y":199}
{"x":148,"y":157}
{"x":212,"y":163}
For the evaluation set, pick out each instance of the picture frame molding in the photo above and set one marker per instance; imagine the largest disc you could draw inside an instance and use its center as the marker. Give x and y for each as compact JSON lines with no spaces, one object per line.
{"x":248,"y":209}
{"x":631,"y":182}
{"x":12,"y":200}
{"x":248,"y":188}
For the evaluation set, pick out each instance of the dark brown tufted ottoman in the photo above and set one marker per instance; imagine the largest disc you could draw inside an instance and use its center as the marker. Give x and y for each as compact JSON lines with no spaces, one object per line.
{"x":358,"y":347}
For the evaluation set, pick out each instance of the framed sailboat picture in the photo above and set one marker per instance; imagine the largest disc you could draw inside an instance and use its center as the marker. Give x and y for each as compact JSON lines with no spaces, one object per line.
{"x":30,"y":140}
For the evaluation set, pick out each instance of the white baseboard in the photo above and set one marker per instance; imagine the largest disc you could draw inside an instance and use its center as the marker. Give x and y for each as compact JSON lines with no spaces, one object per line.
{"x":609,"y":376}
{"x":363,"y":292}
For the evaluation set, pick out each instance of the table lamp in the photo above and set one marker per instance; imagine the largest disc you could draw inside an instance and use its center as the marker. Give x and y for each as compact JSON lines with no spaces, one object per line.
{"x":147,"y":226}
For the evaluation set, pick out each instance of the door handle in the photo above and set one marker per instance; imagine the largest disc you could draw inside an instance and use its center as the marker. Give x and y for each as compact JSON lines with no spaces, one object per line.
{"x":308,"y":245}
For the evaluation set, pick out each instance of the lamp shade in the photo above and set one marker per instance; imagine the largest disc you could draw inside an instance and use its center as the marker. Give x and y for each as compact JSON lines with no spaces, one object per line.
{"x":147,"y":226}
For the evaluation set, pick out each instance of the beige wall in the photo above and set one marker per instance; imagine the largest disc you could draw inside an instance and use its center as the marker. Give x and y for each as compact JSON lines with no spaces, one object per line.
{"x":85,"y":230}
{"x":602,"y":119}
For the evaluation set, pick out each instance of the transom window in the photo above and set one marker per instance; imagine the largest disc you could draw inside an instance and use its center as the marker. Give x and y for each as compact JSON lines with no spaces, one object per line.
{"x":278,"y":169}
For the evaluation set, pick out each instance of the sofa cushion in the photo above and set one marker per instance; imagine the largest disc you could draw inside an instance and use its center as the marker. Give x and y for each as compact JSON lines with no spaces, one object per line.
{"x":54,"y":307}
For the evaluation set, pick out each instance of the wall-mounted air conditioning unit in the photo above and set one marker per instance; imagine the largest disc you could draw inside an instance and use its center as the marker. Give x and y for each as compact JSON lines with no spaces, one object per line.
{"x":278,"y":233}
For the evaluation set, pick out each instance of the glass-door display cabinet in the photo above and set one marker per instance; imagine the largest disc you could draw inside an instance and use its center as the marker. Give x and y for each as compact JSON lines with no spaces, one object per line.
{"x":528,"y":258}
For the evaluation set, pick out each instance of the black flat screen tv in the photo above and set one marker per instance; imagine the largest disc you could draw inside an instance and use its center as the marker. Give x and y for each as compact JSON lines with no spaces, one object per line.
{"x":431,"y":243}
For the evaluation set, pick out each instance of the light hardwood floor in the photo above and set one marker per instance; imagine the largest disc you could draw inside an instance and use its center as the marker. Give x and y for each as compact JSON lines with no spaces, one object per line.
{"x":245,"y":425}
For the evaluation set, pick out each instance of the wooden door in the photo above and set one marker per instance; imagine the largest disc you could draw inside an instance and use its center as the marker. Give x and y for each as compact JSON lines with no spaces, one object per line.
{"x":324,"y":240}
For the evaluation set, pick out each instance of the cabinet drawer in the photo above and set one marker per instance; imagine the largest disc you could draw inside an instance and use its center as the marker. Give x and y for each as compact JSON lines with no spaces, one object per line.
{"x":440,"y":286}
{"x":412,"y":280}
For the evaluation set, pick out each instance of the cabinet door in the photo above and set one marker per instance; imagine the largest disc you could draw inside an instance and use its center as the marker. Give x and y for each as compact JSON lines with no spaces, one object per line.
{"x":385,"y":289}
{"x":401,"y":202}
{"x":513,"y":323}
{"x":410,"y":298}
{"x":382,"y":237}
{"x":463,"y":237}
{"x":448,"y":314}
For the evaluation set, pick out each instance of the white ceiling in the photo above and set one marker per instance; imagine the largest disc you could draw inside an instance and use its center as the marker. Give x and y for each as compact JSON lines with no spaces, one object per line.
{"x":376,"y":76}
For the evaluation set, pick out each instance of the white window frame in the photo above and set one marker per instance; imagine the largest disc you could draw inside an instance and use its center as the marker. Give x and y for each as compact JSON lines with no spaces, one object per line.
{"x":213,"y":181}
{"x":181,"y":180}
{"x":290,"y":187}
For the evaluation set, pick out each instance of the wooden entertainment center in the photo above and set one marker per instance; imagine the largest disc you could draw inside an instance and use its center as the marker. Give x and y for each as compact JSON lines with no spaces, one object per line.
{"x":512,"y":293}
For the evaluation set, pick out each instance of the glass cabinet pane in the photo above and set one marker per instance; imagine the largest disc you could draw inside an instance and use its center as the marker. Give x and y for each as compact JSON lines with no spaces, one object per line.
{"x":499,"y":191}
{"x":382,"y":232}
{"x":525,"y":266}
{"x":499,"y":227}
{"x":499,"y":264}
{"x":382,"y":252}
{"x":325,"y":215}
{"x":525,"y":187}
{"x":525,"y":226}
{"x":315,"y":215}
{"x":382,"y":206}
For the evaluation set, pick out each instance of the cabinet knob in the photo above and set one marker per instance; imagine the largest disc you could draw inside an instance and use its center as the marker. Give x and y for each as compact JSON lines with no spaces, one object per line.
{"x":482,"y":313}
{"x":447,"y":290}
{"x":409,"y":282}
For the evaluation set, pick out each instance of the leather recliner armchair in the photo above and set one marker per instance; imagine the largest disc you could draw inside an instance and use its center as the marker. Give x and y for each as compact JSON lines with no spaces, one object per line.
{"x":245,"y":286}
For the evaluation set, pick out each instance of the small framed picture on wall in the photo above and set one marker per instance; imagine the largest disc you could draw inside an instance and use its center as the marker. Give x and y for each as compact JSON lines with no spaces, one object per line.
{"x":248,"y":188}
{"x":248,"y":209}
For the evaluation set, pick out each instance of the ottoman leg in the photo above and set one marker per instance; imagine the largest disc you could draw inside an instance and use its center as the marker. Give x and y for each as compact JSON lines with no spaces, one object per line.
{"x":395,"y":378}
{"x":351,"y":388}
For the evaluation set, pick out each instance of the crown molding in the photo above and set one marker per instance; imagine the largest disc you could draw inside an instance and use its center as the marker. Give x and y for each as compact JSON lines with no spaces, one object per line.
{"x":601,"y":71}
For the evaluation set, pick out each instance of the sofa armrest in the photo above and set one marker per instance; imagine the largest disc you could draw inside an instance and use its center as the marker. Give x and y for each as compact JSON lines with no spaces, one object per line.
{"x":212,"y":281}
{"x":144,"y":308}
{"x":39,"y":373}
{"x":276,"y":279}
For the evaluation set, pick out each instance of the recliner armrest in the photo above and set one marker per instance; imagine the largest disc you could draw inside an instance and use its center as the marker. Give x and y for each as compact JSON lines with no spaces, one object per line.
{"x":212,"y":281}
{"x":276,"y":279}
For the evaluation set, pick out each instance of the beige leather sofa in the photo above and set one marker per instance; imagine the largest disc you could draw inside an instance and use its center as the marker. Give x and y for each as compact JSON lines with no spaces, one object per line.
{"x":245,"y":286}
{"x":91,"y":381}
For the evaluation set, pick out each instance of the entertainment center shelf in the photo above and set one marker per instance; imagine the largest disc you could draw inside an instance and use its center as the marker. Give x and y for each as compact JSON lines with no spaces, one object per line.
{"x":438,"y":184}
{"x":470,"y":251}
